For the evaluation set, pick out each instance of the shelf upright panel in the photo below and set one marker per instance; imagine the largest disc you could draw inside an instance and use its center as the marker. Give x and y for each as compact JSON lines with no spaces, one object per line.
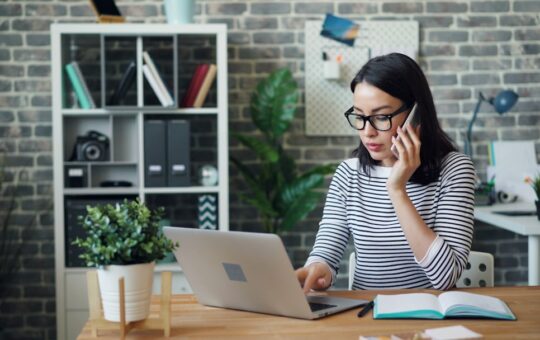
{"x":140,"y":76}
{"x":175,"y":71}
{"x":102,"y":70}
{"x":58,"y":176}
{"x":223,"y":128}
{"x":141,"y":168}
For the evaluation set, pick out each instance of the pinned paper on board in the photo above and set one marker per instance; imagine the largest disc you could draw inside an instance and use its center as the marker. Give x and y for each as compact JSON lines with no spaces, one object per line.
{"x":340,"y":29}
{"x":510,"y":167}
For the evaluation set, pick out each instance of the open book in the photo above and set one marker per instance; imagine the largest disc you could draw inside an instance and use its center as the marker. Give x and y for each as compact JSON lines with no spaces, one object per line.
{"x":446,"y":305}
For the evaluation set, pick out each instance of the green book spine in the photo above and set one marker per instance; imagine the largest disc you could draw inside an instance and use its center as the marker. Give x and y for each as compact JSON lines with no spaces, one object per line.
{"x":77,"y":86}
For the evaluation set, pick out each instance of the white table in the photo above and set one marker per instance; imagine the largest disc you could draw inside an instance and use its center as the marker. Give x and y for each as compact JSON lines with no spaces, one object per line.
{"x":523,"y":225}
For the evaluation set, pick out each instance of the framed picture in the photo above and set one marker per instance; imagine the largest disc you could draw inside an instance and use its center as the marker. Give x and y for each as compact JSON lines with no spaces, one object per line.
{"x":106,"y":11}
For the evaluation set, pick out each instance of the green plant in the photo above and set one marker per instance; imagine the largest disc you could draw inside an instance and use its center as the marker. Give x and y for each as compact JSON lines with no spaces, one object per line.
{"x":122,"y":234}
{"x":279,"y":191}
{"x":535,"y":184}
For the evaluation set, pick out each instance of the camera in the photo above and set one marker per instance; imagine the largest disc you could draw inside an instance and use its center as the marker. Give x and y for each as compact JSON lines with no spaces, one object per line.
{"x":92,"y":147}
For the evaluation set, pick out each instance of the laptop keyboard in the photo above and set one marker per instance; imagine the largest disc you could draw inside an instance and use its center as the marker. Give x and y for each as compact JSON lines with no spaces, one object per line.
{"x":319,"y":306}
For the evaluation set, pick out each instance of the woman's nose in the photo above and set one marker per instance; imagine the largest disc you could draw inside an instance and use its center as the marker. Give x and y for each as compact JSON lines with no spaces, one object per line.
{"x":369,"y":130}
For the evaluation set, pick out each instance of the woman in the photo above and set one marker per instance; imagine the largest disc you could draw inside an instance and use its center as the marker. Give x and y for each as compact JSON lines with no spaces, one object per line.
{"x":411,"y":218}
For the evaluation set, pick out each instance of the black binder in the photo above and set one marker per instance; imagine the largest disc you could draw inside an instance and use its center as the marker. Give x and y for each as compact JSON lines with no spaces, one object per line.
{"x":155,"y":162}
{"x":178,"y":147}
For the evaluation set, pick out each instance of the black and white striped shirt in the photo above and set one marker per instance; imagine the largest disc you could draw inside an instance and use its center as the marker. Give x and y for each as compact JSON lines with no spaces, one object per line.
{"x":359,"y":206}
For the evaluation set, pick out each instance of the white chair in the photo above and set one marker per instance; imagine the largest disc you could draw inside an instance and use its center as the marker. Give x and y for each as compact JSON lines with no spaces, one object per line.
{"x":352,"y":266}
{"x":479,"y":271}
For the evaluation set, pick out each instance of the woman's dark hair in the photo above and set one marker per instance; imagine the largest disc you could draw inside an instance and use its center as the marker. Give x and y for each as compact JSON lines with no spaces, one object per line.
{"x":402,"y":78}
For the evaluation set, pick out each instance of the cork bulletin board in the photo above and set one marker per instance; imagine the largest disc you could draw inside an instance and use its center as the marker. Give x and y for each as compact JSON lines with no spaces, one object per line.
{"x":326,"y":100}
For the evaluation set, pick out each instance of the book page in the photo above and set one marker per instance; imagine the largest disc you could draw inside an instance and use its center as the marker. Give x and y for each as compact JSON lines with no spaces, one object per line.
{"x":400,"y":303}
{"x":489,"y":303}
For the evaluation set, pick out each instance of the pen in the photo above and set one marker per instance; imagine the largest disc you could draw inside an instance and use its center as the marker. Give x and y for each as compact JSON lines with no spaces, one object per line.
{"x":366,"y":309}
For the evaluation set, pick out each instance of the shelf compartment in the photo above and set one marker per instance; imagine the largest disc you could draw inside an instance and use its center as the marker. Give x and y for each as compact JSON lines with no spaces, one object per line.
{"x":104,"y":172}
{"x":120,"y":71}
{"x":75,"y":206}
{"x":125,"y":138}
{"x":181,"y":210}
{"x":85,"y":50}
{"x":75,"y":128}
{"x":194,"y":51}
{"x":163,"y":55}
{"x":203,"y":142}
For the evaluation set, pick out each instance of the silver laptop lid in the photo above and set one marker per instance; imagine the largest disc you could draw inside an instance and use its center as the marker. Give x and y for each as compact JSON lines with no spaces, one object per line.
{"x":238,"y":270}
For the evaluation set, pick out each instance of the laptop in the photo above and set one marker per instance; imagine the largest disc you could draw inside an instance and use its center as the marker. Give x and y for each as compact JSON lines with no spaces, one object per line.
{"x":249,"y":272}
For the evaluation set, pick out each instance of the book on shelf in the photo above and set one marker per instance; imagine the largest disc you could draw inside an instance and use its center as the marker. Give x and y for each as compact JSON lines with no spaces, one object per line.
{"x":124,"y":85}
{"x":84,"y":84}
{"x":160,"y":83}
{"x":154,"y":85}
{"x":446,"y":305}
{"x":195,"y":85}
{"x":205,"y":86}
{"x":79,"y":86}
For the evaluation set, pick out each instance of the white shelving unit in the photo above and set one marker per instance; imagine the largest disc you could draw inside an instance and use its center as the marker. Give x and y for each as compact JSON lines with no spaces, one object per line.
{"x":102,"y":51}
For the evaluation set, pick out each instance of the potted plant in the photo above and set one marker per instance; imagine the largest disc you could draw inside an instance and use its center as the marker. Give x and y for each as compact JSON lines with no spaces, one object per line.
{"x":282,"y":194}
{"x":535,"y":184}
{"x":124,"y":240}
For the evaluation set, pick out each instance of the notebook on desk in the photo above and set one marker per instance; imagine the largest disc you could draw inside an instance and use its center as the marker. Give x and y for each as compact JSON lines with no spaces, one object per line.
{"x":247,"y":271}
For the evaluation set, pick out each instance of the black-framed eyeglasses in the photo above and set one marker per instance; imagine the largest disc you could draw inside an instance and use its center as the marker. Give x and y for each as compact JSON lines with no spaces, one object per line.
{"x":381,"y":122}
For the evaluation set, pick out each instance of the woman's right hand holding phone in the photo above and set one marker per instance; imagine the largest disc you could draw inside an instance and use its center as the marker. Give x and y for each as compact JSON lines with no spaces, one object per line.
{"x":408,"y":147}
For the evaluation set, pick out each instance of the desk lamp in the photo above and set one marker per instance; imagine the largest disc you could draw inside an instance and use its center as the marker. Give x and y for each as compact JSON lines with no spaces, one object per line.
{"x":503,"y":102}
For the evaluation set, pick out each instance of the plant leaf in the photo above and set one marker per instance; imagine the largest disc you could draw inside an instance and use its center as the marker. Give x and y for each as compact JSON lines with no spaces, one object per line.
{"x":324,"y":170}
{"x":260,"y":202}
{"x":273,"y":104}
{"x":245,"y":172}
{"x":264,"y":150}
{"x":291,"y":192}
{"x":287,"y":166}
{"x":310,"y":180}
{"x":299,"y":209}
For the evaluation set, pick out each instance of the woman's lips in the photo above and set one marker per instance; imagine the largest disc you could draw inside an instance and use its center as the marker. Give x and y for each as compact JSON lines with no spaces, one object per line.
{"x":374,"y":147}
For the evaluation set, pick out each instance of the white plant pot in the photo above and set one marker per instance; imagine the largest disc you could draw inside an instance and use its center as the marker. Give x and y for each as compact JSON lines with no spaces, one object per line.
{"x":138,"y":290}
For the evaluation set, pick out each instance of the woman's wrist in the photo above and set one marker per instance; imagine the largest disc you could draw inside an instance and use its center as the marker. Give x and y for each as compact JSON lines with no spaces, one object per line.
{"x":396,"y":193}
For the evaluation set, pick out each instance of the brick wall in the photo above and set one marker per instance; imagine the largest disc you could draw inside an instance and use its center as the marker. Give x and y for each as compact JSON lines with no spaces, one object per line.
{"x":466,"y":47}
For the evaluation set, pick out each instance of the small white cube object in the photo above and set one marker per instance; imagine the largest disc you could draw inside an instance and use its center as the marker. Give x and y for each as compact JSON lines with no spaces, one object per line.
{"x":331,"y":70}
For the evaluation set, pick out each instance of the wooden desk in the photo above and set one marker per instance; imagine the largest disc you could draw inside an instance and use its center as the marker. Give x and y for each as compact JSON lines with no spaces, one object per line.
{"x":524,"y":225}
{"x":191,"y":320}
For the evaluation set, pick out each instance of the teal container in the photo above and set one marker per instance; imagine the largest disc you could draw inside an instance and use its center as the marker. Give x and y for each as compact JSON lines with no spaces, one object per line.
{"x":179,"y":11}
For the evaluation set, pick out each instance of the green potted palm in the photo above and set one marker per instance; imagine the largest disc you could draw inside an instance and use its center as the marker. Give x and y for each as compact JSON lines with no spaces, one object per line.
{"x":124,"y":240}
{"x":282,"y":194}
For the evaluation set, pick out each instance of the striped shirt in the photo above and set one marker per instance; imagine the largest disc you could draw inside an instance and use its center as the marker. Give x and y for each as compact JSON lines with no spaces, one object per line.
{"x":359,"y":206}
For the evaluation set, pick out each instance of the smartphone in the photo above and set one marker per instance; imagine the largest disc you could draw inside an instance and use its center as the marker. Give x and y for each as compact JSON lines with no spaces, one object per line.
{"x":410,"y":121}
